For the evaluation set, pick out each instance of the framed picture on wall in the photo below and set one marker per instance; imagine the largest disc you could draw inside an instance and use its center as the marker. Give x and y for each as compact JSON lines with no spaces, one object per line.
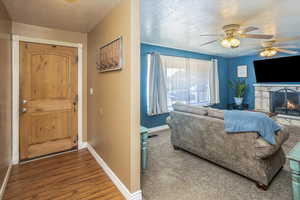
{"x":111,"y":56}
{"x":242,"y":71}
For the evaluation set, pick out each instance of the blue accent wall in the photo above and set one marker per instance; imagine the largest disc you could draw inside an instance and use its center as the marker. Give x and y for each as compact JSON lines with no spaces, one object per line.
{"x":232,"y":75}
{"x":158,"y":120}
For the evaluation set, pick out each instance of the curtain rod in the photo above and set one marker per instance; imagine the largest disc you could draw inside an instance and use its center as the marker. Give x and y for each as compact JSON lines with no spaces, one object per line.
{"x":153,"y":52}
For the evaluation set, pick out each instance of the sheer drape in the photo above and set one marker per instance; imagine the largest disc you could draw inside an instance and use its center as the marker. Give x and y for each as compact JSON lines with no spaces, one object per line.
{"x":176,"y":76}
{"x":199,"y":79}
{"x":187,"y":80}
{"x":177,"y":79}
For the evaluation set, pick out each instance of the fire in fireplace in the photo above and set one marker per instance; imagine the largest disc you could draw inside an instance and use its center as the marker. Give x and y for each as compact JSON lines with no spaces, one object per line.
{"x":285,"y":101}
{"x":291,"y":105}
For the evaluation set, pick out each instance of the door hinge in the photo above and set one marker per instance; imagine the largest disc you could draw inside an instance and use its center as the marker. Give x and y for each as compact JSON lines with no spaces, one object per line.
{"x":77,"y":58}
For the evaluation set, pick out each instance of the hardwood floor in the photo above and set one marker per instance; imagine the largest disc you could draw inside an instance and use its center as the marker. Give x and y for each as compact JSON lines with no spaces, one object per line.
{"x":70,"y":176}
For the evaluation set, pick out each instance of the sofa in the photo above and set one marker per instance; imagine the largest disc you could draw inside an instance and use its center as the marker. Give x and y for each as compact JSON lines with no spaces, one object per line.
{"x":200,"y":131}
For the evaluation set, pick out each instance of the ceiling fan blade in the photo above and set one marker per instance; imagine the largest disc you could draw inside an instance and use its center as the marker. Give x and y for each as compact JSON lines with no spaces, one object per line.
{"x":206,"y":43}
{"x":215,"y":35}
{"x":257,"y":36}
{"x":248,"y":29}
{"x":287,"y":39}
{"x":254,"y":51}
{"x":287,"y":46}
{"x":286,"y":51}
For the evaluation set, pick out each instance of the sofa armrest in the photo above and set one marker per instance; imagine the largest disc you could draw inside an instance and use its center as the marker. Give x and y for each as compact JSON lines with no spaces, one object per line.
{"x":264,"y":149}
{"x":241,"y":144}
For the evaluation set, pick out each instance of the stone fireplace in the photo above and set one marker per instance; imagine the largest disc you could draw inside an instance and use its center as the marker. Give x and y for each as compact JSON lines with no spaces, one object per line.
{"x":283,"y":99}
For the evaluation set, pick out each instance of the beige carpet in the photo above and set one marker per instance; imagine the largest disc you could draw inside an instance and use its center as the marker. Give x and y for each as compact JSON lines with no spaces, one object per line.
{"x":178,"y":175}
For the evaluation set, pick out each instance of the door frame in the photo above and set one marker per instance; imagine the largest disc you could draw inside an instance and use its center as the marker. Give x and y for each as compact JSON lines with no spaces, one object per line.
{"x":16,"y":89}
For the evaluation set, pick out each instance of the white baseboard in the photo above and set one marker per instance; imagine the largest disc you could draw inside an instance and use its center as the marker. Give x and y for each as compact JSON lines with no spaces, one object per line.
{"x":158,"y":128}
{"x":123,"y":189}
{"x":136,"y":195}
{"x":5,"y":181}
{"x":14,"y":162}
{"x":83,"y":145}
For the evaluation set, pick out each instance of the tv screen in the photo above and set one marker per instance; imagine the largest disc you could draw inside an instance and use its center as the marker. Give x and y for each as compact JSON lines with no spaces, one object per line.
{"x":276,"y":70}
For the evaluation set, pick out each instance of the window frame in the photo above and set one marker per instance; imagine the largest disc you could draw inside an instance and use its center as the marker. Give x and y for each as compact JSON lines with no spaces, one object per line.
{"x":187,"y":69}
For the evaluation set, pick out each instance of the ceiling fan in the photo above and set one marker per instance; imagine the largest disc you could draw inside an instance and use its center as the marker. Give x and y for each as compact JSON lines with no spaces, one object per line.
{"x":232,"y":34}
{"x":269,"y":49}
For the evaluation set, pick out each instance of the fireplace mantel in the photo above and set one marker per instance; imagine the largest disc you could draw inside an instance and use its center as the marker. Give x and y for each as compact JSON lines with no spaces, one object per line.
{"x":275,"y":85}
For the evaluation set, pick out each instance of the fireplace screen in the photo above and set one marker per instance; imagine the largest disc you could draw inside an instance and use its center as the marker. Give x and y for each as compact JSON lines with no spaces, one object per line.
{"x":285,"y":101}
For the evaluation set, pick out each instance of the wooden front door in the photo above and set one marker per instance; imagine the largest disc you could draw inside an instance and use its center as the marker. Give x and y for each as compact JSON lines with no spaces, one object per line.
{"x":48,"y":99}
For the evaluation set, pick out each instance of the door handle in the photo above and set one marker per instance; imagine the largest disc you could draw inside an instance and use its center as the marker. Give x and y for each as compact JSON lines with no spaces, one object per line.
{"x":24,"y":110}
{"x":24,"y":101}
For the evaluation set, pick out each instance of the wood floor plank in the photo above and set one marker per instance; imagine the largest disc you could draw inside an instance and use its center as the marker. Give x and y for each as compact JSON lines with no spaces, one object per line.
{"x":69,"y":176}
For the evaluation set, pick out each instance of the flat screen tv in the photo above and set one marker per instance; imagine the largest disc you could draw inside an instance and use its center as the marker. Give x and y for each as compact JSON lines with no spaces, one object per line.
{"x":284,"y":70}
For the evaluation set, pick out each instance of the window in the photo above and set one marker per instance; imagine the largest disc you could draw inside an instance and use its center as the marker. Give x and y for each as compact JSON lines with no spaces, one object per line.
{"x":187,"y":80}
{"x":177,"y":79}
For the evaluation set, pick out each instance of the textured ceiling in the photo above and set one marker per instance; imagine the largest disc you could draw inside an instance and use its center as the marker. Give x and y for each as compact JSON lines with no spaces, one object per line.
{"x":178,"y":23}
{"x":80,"y":16}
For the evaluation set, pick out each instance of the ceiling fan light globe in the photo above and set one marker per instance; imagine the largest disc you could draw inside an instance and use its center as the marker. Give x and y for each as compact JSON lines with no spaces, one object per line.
{"x":235,"y":43}
{"x":268,"y":53}
{"x":273,"y":52}
{"x":263,"y":53}
{"x":230,"y":42}
{"x":225,"y":43}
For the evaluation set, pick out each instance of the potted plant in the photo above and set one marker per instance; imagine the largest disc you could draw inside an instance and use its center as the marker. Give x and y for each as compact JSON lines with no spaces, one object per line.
{"x":240,"y":89}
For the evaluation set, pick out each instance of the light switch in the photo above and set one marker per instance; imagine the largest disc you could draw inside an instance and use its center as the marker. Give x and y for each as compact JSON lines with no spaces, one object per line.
{"x":91,"y":91}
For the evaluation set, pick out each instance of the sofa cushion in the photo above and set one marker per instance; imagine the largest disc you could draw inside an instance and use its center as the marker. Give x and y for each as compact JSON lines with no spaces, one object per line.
{"x":264,"y":149}
{"x":198,"y":110}
{"x":216,"y":113}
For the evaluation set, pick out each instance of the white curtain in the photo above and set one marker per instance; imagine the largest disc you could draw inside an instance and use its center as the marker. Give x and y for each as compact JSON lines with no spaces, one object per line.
{"x":187,"y":80}
{"x":157,"y":88}
{"x":214,"y":82}
{"x":177,"y":79}
{"x":176,"y":73}
{"x":199,"y":82}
